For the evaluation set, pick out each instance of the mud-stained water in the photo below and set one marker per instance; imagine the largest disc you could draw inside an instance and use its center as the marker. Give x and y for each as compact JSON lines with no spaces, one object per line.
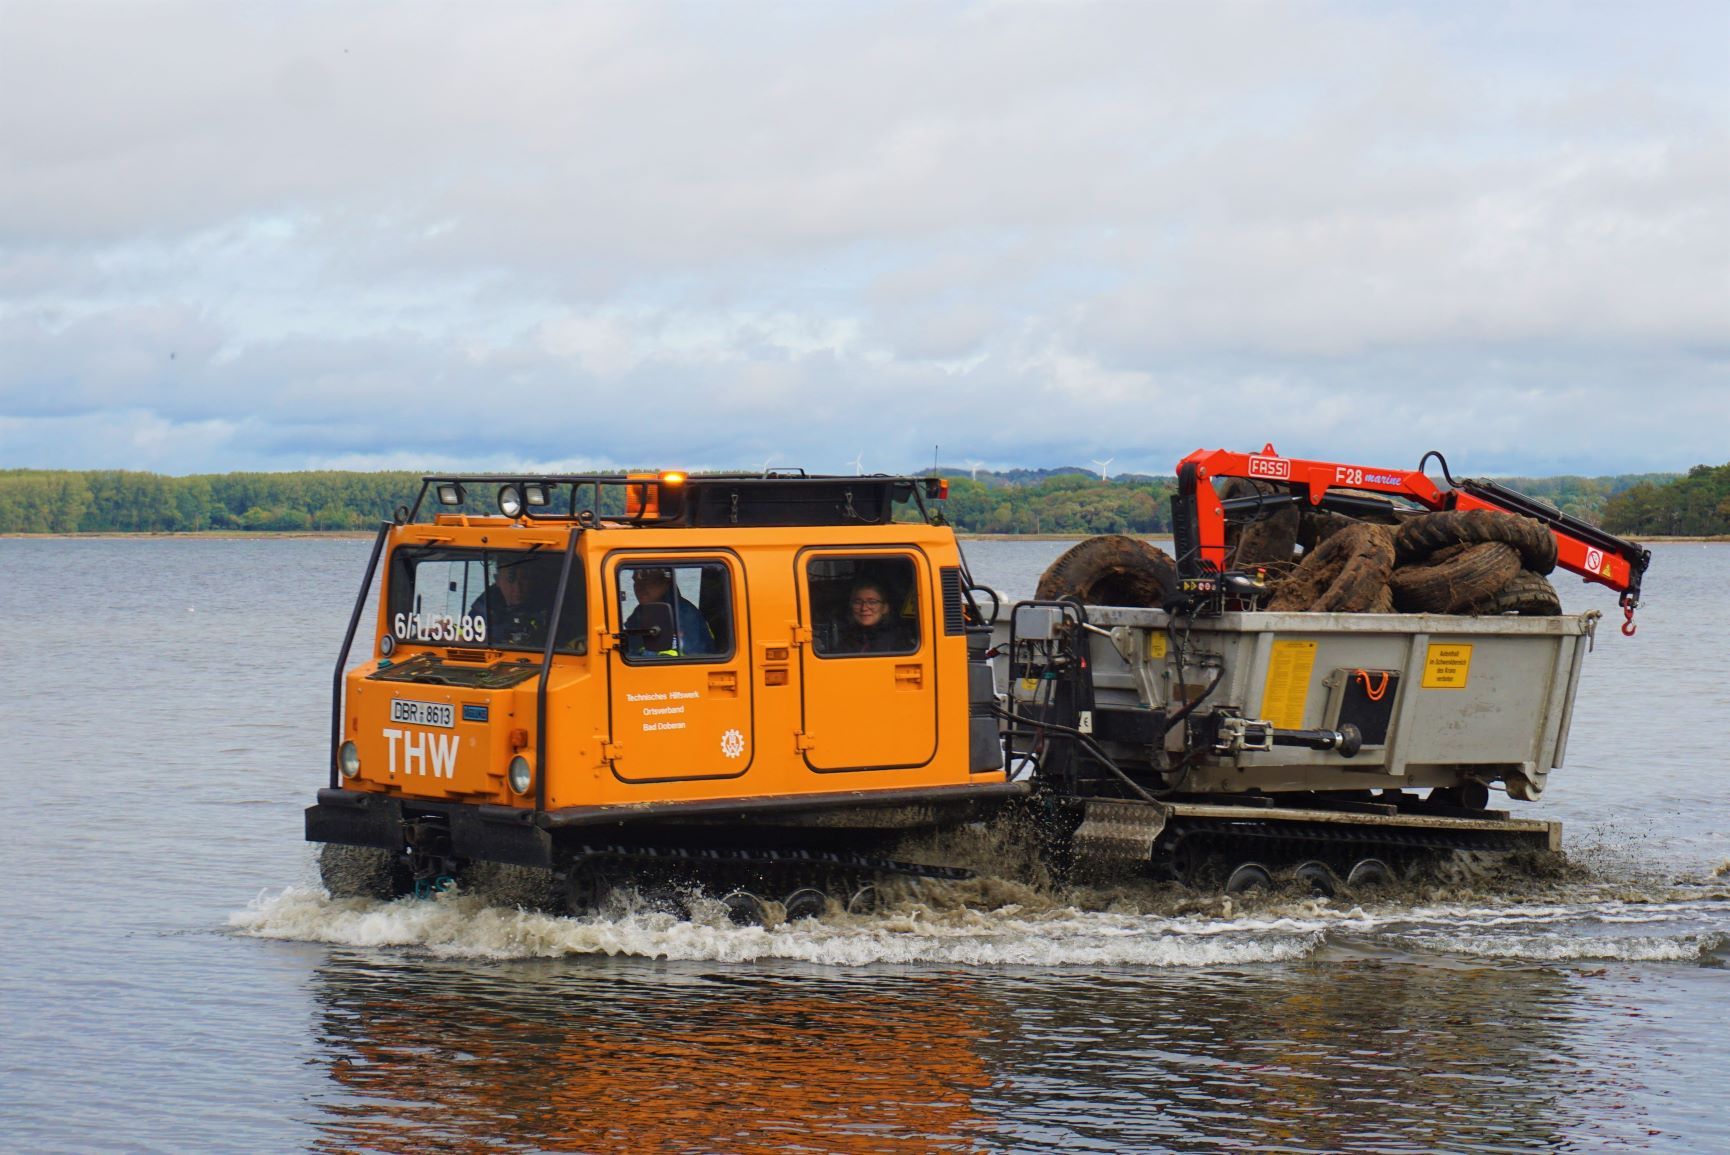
{"x":940,"y":1023}
{"x":986,"y":923}
{"x":173,"y":978}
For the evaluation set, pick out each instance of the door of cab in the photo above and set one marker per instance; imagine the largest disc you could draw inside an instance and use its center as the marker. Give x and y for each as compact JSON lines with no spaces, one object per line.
{"x":869,"y":693}
{"x":679,"y":680}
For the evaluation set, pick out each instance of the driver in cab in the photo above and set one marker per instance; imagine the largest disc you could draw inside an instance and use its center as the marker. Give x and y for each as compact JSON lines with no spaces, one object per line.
{"x":664,"y":624}
{"x":517,"y":606}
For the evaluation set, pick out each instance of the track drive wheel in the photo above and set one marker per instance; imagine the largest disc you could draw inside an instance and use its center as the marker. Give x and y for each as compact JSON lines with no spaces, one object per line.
{"x":1185,"y":861}
{"x":744,"y":908}
{"x":1316,"y":878}
{"x":806,"y":902}
{"x":1369,"y":874}
{"x":587,"y":891}
{"x":1247,"y":877}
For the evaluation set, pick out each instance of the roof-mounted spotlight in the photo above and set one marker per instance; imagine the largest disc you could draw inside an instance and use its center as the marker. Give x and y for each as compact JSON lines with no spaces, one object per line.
{"x":510,"y":501}
{"x":451,"y":493}
{"x":535,"y":495}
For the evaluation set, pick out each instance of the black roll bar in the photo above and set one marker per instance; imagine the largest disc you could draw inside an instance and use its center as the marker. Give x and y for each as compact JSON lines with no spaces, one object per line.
{"x":546,"y":672}
{"x":347,"y":642}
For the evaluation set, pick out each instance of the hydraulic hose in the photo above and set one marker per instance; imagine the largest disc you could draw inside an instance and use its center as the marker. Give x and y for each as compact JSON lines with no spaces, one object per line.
{"x":1091,"y":746}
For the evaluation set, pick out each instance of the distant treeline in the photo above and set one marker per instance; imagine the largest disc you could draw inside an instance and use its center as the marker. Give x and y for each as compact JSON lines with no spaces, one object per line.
{"x":1074,"y":501}
{"x":1067,"y":501}
{"x":116,"y":501}
{"x":1695,"y":505}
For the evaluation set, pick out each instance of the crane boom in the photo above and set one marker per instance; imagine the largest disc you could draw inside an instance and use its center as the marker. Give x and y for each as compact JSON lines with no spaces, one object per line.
{"x":1200,"y":514}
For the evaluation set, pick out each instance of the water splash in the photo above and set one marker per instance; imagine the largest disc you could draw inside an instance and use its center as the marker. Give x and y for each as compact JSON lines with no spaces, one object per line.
{"x":1541,"y":909}
{"x":1012,"y":935}
{"x":999,"y":923}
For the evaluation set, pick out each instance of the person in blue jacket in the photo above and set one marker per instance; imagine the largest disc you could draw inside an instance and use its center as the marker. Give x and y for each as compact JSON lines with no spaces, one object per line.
{"x":691,"y":636}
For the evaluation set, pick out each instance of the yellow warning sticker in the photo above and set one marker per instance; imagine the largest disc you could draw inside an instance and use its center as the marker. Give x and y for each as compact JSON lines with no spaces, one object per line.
{"x":1286,"y":693}
{"x":1447,"y":665}
{"x":1155,"y":644}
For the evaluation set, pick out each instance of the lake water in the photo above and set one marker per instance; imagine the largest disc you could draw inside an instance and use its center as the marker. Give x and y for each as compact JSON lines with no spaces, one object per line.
{"x":172,"y":978}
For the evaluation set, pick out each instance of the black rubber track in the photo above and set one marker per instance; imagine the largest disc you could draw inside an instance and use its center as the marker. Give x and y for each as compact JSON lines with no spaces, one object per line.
{"x":1199,"y":853}
{"x":1111,"y":570}
{"x":1422,"y":536}
{"x":1457,"y":583}
{"x":362,"y":872}
{"x":1347,"y":573}
{"x":1526,"y":593}
{"x":595,"y":870}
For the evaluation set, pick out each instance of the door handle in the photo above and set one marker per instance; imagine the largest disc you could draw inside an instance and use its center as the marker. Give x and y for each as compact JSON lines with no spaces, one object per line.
{"x":909,"y":675}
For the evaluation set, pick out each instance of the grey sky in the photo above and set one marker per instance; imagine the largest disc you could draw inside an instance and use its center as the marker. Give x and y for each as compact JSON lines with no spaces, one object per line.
{"x":285,"y":236}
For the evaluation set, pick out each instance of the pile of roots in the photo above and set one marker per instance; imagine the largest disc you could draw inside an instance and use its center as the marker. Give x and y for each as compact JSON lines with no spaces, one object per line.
{"x":1475,"y":561}
{"x":1450,"y":562}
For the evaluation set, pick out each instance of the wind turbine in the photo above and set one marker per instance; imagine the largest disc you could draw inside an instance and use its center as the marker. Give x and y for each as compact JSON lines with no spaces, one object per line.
{"x":858,"y":464}
{"x":1103,"y":475}
{"x":973,"y":469}
{"x":764,"y":468}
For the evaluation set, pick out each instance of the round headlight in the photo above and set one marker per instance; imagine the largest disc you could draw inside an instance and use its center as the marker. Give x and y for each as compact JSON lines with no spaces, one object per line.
{"x":510,"y":501}
{"x":520,"y":774}
{"x":348,"y":758}
{"x":387,"y":645}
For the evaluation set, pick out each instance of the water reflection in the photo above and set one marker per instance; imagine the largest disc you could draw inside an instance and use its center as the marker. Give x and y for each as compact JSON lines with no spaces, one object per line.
{"x":1343,"y":1052}
{"x":1351,"y":1050}
{"x":605,"y":1057}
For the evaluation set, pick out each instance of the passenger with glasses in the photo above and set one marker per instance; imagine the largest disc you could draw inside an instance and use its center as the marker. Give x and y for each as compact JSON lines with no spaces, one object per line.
{"x":871,"y":625}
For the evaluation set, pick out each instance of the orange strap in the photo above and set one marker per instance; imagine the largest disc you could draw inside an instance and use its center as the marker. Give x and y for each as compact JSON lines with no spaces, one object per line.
{"x":1375,"y":692}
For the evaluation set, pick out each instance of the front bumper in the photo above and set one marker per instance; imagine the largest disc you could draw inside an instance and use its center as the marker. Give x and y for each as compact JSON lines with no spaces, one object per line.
{"x":490,"y":833}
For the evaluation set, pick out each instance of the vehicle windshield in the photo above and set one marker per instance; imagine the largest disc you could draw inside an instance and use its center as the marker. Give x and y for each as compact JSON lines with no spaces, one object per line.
{"x":499,"y":599}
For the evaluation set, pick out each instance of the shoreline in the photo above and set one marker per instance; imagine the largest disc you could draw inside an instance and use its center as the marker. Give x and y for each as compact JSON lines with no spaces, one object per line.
{"x":366,"y":534}
{"x":122,"y":535}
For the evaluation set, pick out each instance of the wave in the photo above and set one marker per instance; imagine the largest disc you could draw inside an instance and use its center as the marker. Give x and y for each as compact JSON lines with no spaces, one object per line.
{"x":1551,"y":948}
{"x":465,"y":926}
{"x":991,"y":922}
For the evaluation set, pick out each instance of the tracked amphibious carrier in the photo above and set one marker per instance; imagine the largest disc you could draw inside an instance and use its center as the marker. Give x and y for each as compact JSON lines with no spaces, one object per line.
{"x":760,"y":685}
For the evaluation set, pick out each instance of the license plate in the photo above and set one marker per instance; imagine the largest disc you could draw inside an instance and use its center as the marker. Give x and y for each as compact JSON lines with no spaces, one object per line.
{"x":422,"y":713}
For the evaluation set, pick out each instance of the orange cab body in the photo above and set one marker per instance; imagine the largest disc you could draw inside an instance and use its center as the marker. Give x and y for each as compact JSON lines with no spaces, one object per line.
{"x":768,"y":716}
{"x":761,"y":706}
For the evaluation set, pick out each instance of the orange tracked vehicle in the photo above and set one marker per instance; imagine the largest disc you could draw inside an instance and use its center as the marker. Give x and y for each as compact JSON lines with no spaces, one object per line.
{"x":760,"y":685}
{"x":610,"y":677}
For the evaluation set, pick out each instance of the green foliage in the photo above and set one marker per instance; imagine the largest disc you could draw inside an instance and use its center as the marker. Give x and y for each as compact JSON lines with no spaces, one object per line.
{"x":1697,"y":505}
{"x":119,"y":501}
{"x":1582,"y":497}
{"x":1054,"y":501}
{"x":39,"y":501}
{"x":1067,"y":503}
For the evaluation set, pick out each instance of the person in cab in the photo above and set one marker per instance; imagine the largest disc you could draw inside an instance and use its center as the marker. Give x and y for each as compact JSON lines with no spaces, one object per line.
{"x":870,"y":625}
{"x":518,"y":606}
{"x":647,"y":636}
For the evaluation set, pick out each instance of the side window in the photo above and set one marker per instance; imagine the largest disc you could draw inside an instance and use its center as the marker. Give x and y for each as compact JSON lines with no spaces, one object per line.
{"x":675,"y":611}
{"x":863,"y":606}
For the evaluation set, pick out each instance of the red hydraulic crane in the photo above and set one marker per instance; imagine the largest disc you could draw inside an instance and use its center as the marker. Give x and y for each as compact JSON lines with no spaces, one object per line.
{"x":1199,"y":514}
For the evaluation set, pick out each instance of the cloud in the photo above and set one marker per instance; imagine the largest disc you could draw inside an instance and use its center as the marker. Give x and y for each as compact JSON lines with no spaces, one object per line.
{"x":701,"y":235}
